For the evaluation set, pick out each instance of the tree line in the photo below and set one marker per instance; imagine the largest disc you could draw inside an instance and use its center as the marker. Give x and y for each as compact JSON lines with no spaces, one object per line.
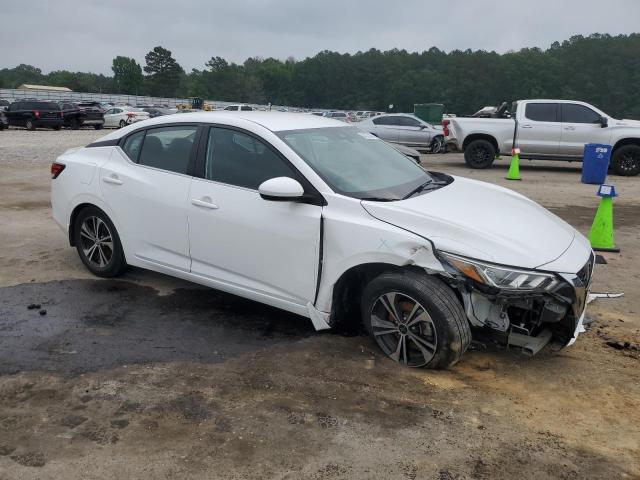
{"x":600,"y":69}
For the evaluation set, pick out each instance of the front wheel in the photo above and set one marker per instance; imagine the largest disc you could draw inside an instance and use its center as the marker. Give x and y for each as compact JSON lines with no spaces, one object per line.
{"x":122,"y":124}
{"x":626,"y":160}
{"x":479,"y":154}
{"x":436,"y":145}
{"x":98,"y":127}
{"x":98,"y":243}
{"x":415,"y":319}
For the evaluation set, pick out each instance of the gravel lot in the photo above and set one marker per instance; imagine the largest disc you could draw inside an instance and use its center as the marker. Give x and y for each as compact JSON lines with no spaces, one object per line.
{"x":152,"y":377}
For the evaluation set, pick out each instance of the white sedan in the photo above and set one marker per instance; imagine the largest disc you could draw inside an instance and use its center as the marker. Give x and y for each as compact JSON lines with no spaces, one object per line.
{"x":327,"y":221}
{"x":120,"y":117}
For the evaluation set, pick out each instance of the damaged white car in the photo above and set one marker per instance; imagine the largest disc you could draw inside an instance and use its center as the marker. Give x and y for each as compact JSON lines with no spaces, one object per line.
{"x":327,"y":221}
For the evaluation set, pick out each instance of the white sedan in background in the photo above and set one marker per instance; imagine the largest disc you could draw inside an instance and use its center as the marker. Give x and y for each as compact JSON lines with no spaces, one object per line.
{"x":119,"y":117}
{"x":319,"y":218}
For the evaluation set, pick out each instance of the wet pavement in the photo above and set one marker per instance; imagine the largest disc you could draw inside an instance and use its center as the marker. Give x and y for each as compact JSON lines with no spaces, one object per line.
{"x":98,"y":324}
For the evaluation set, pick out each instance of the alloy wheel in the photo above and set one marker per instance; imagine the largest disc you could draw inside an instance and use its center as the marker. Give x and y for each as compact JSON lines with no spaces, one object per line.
{"x":96,"y":241}
{"x":403,"y":329}
{"x":630,"y":161}
{"x":480,"y":155}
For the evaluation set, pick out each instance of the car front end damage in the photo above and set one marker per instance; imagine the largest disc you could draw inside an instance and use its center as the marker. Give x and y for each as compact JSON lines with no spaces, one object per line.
{"x":523,"y":308}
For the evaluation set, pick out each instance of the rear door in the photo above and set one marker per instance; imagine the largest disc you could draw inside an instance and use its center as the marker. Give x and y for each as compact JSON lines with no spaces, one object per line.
{"x":146,"y":184}
{"x":387,"y":127}
{"x":580,"y":125}
{"x":539,"y":129}
{"x":410,"y":132}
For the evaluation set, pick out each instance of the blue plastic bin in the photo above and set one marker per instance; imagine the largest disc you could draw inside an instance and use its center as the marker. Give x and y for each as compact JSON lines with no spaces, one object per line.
{"x":595,"y":163}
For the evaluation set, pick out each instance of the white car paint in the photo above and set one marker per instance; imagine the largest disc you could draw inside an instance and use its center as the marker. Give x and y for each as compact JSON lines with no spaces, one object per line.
{"x":232,"y":239}
{"x":115,"y":115}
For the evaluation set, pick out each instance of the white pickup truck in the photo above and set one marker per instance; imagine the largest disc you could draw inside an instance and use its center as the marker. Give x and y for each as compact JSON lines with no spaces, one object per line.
{"x":546,"y":130}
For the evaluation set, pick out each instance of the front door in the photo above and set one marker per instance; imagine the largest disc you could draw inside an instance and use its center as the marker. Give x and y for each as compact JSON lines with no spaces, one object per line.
{"x":410,"y":132}
{"x":539,"y":129}
{"x":239,"y":239}
{"x":146,"y":185}
{"x":580,"y":125}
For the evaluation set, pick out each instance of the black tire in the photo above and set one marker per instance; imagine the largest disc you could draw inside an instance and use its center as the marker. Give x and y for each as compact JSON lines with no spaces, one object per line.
{"x":93,"y":259}
{"x":29,"y":125}
{"x":479,"y":154}
{"x":122,"y":124}
{"x":57,"y":127}
{"x":626,"y":160}
{"x":98,"y":127}
{"x":74,"y":124}
{"x":447,"y":328}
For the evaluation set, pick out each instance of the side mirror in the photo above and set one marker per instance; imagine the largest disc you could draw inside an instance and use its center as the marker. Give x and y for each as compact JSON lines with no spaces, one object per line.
{"x":604,"y":122}
{"x":422,"y":126}
{"x":281,"y":189}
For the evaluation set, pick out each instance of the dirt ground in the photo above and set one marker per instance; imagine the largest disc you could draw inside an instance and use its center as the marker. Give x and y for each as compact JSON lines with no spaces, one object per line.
{"x":152,"y":377}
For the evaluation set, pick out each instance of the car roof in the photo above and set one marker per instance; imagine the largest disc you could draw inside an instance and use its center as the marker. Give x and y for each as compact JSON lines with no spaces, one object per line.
{"x":274,"y":121}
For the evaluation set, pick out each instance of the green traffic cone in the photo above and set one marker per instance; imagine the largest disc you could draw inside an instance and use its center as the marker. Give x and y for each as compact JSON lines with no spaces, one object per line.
{"x":601,"y":233}
{"x":514,"y":167}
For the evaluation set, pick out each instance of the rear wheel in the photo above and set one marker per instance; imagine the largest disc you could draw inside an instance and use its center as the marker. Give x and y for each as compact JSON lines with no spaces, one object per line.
{"x":74,"y":124}
{"x":30,"y":125}
{"x":415,"y":319}
{"x":98,"y":127}
{"x":57,"y":127}
{"x":98,"y":243}
{"x":626,"y":160}
{"x":479,"y":154}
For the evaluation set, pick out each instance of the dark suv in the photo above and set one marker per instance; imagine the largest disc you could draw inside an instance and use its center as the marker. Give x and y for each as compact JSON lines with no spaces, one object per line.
{"x":93,"y":114}
{"x":35,"y":113}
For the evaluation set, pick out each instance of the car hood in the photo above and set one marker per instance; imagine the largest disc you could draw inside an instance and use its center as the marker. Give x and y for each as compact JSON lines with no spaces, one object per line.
{"x":482,"y":221}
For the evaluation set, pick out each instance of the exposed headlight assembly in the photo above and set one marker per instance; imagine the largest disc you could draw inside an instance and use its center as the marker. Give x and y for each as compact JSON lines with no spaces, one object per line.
{"x":503,"y":278}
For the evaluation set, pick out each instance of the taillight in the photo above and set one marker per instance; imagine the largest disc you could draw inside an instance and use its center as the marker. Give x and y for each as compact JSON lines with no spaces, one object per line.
{"x":61,"y":114}
{"x":56,"y":169}
{"x":445,"y":127}
{"x":36,"y":113}
{"x":131,"y":115}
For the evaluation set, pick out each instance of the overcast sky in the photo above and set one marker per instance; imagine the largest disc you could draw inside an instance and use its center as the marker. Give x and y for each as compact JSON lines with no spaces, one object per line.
{"x":85,"y":35}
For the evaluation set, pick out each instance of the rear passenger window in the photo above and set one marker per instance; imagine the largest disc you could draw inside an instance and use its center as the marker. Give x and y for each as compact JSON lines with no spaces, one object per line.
{"x":574,"y":113}
{"x":245,"y":108}
{"x":238,"y":159}
{"x":542,"y":112}
{"x":132,"y":145}
{"x":168,"y":148}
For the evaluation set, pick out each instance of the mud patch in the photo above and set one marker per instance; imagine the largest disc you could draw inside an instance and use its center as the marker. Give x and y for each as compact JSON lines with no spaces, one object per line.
{"x":30,"y":459}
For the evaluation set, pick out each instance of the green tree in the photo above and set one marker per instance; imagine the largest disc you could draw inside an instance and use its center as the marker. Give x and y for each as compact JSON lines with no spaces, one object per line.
{"x":164,"y":73}
{"x":127,"y":75}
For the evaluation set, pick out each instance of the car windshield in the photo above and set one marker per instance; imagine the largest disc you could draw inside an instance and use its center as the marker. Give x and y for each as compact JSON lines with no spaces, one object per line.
{"x":356,"y":163}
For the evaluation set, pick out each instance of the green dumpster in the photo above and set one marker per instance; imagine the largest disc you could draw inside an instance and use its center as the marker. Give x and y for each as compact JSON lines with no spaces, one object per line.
{"x":429,"y":112}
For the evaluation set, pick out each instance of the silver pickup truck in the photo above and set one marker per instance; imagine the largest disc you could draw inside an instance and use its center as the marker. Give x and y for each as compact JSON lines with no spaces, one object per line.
{"x":546,"y":130}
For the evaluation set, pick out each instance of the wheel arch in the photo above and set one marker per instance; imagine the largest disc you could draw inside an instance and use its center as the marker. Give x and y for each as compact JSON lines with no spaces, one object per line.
{"x":625,"y":141}
{"x":480,"y":136}
{"x":347,"y":291}
{"x":81,"y":205}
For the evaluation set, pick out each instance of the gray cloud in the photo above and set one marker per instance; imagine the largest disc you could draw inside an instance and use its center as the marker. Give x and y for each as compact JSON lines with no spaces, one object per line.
{"x":85,"y":35}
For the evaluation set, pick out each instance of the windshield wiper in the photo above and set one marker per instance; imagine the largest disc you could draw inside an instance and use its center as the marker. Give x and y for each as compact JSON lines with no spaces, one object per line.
{"x":418,"y":189}
{"x":429,"y":183}
{"x":379,"y":199}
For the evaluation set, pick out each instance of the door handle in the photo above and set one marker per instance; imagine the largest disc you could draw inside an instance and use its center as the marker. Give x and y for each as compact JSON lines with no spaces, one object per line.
{"x":112,"y":179}
{"x":204,"y":202}
{"x":526,"y":126}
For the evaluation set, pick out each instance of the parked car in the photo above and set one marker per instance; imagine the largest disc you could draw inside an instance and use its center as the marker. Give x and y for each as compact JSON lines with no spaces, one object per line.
{"x":546,"y":130}
{"x":93,"y":114}
{"x":406,"y":129}
{"x":235,"y":108}
{"x":31,"y":114}
{"x":3,"y":120}
{"x":324,"y":220}
{"x":342,"y":116}
{"x":122,"y":116}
